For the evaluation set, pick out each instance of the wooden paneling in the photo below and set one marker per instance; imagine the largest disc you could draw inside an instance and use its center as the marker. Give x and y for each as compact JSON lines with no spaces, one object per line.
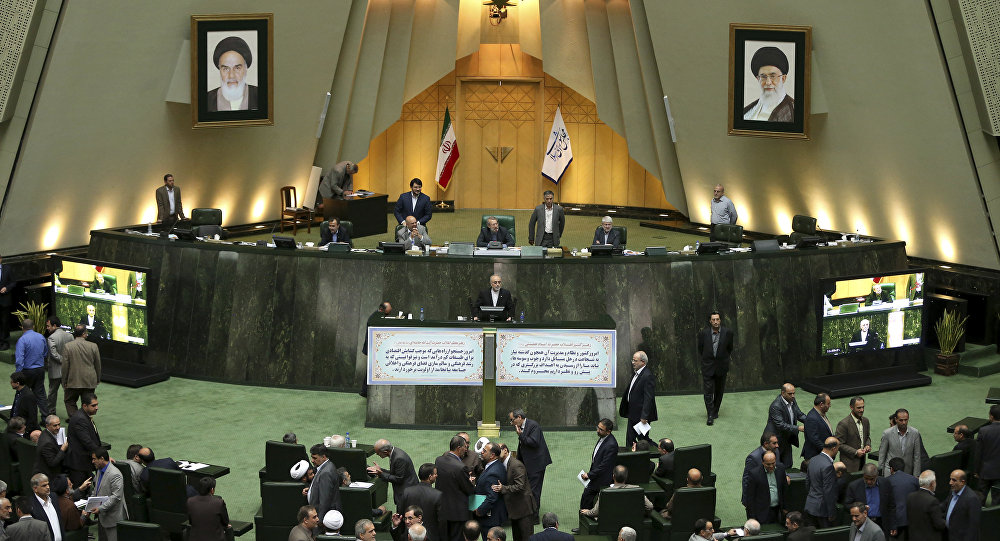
{"x":492,"y":82}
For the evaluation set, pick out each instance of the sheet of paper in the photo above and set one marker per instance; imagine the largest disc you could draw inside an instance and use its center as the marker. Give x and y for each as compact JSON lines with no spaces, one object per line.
{"x":190,"y":466}
{"x":579,"y":477}
{"x":641,"y":428}
{"x":475,"y":500}
{"x":61,"y":435}
{"x":94,"y":502}
{"x":361,"y":484}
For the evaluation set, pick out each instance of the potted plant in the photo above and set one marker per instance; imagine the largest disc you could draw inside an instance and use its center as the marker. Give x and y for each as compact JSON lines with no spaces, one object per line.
{"x":36,"y":312}
{"x":949,"y":330}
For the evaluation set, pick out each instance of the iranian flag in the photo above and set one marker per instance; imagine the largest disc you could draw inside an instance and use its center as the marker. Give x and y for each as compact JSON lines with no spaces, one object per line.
{"x":447,"y":153}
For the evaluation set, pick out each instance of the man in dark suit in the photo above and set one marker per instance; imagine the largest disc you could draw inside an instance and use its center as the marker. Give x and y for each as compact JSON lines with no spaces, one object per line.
{"x":821,"y":483}
{"x":601,"y":464}
{"x":715,"y":344}
{"x":550,"y":530}
{"x":517,"y":496}
{"x":27,"y":527}
{"x":547,"y":222}
{"x":334,"y":233}
{"x":966,"y":443}
{"x":96,"y":330}
{"x":855,"y":435}
{"x":758,"y":499}
{"x":324,"y":491}
{"x":902,"y":485}
{"x":207,"y":513}
{"x":782,"y":416}
{"x":413,"y":203}
{"x":862,"y":527}
{"x":962,"y":509}
{"x":865,"y":337}
{"x":817,"y":428}
{"x":45,"y":508}
{"x":51,"y":455}
{"x":455,"y":487}
{"x":492,"y":512}
{"x":924,"y":511}
{"x":797,"y":529}
{"x":755,"y":460}
{"x":532,"y":451}
{"x":874,"y":492}
{"x":639,"y":401}
{"x":25,"y":402}
{"x":428,"y":499}
{"x":83,"y":440}
{"x":495,"y":296}
{"x":401,"y":473}
{"x":494,"y":232}
{"x":878,"y":295}
{"x":665,"y":462}
{"x":7,"y":284}
{"x":988,"y":464}
{"x":169,"y":208}
{"x":606,"y":235}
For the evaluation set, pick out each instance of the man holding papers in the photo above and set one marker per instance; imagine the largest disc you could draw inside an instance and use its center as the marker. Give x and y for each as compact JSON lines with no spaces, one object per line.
{"x":639,"y":402}
{"x":602,"y":462}
{"x":50,"y":451}
{"x":109,"y":493}
{"x":491,"y":511}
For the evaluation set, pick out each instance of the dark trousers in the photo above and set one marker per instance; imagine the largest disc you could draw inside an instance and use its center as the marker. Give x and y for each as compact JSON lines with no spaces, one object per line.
{"x":4,"y":323}
{"x":631,"y":436}
{"x":589,"y":496}
{"x":36,"y":382}
{"x":79,"y":476}
{"x":53,"y":395}
{"x":785,"y":454}
{"x":72,"y":395}
{"x":713,"y":387}
{"x":456,"y":530}
{"x":547,"y":240}
{"x":522,"y":528}
{"x":819,"y":522}
{"x":985,"y":488}
{"x":535,"y":480}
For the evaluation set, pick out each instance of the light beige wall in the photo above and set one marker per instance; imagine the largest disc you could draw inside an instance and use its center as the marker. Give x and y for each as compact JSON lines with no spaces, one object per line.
{"x":101,"y":135}
{"x":889,"y":156}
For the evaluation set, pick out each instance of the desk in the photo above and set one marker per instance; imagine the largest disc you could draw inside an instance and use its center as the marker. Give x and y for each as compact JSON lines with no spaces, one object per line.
{"x":366,"y":213}
{"x":211,"y":470}
{"x":223,"y":302}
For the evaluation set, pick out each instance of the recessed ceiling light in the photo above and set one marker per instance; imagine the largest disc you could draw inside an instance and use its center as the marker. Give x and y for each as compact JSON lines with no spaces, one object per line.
{"x":944,"y":266}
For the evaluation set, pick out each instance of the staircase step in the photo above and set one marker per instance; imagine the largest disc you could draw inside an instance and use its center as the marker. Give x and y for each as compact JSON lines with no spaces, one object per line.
{"x":980,"y":367}
{"x":976,"y":351}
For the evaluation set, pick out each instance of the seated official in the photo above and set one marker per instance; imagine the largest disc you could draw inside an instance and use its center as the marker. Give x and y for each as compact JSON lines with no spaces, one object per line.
{"x":413,"y":203}
{"x":606,"y":235}
{"x":866,"y":337}
{"x":334,"y":233}
{"x":878,"y":295}
{"x":413,"y":234}
{"x":495,"y":296}
{"x":494,"y":232}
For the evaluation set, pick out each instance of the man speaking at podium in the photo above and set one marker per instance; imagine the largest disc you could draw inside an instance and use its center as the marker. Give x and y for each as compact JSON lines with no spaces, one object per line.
{"x":495,"y":296}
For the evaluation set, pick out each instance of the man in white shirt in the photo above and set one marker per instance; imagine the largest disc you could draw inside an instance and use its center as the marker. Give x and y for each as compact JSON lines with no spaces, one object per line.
{"x":547,"y":222}
{"x":44,"y":508}
{"x":169,"y":208}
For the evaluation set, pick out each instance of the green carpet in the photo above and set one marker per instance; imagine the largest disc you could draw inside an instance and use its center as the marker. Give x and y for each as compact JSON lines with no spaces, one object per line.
{"x":464,"y":225}
{"x":228,"y":424}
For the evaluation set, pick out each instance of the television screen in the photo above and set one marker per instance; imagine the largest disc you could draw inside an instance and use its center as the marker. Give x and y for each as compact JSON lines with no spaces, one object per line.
{"x":871,"y":313}
{"x":110,"y":299}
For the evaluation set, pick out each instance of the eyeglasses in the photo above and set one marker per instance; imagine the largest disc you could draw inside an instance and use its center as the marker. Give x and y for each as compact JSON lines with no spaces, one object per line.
{"x":773,"y":78}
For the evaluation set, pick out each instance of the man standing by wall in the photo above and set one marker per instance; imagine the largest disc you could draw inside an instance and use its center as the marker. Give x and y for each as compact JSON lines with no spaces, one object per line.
{"x":169,"y":208}
{"x":723,"y":209}
{"x":7,"y":284}
{"x":547,"y":222}
{"x":715,"y":344}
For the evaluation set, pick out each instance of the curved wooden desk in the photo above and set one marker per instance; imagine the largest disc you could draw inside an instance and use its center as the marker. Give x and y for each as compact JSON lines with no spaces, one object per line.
{"x":247,"y":314}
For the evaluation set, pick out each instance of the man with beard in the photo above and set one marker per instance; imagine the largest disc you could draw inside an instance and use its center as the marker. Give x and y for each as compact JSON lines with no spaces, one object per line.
{"x":233,"y":58}
{"x":770,"y":66}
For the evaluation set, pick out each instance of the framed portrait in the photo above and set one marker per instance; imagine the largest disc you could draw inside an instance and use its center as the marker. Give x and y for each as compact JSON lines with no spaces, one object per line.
{"x":769,"y":80}
{"x":232,"y":71}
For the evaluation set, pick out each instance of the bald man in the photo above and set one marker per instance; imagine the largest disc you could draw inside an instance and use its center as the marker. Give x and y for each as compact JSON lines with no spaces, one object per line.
{"x":401,"y":473}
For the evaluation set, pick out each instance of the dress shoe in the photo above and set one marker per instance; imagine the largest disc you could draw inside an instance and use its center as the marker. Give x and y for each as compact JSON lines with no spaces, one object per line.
{"x":710,"y":421}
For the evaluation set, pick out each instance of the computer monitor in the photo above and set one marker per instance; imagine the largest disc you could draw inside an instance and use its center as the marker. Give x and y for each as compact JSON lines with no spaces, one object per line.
{"x":461,"y":249}
{"x":656,"y":250}
{"x":492,"y":313}
{"x":532,"y":251}
{"x":335,"y":247}
{"x":602,"y":250}
{"x":392,"y":247}
{"x":766,"y":245}
{"x":710,"y":247}
{"x":806,"y":243}
{"x":286,"y":243}
{"x":111,"y":299}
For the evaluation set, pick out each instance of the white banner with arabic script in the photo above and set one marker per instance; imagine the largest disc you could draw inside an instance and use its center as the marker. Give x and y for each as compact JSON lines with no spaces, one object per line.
{"x":556,"y":358}
{"x":425,"y":356}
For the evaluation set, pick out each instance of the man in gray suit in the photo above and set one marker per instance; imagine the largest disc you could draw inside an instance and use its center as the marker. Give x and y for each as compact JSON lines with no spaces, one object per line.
{"x":547,"y":222}
{"x":901,"y":441}
{"x":401,"y":473}
{"x":324,"y":491}
{"x":58,"y":338}
{"x":81,"y":368}
{"x":109,"y":483}
{"x":339,"y":181}
{"x":27,"y":528}
{"x":413,"y":234}
{"x":860,"y":523}
{"x":5,"y":509}
{"x":308,"y":521}
{"x":821,"y":482}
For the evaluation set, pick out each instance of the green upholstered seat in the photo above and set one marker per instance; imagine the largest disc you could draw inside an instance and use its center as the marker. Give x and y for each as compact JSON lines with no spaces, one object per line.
{"x":732,"y":234}
{"x":131,"y":530}
{"x":135,"y":502}
{"x":802,"y":226}
{"x":619,"y":507}
{"x":27,"y":454}
{"x":168,"y":498}
{"x":622,"y":233}
{"x":505,"y":220}
{"x":206,"y":216}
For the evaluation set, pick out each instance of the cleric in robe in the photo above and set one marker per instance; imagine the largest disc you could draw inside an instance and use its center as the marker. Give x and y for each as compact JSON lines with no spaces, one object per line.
{"x":770,"y":67}
{"x":233,"y":58}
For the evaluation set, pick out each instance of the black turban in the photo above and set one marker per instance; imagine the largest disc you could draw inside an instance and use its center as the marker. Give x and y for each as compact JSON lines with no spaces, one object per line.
{"x":765,"y":56}
{"x":233,"y":43}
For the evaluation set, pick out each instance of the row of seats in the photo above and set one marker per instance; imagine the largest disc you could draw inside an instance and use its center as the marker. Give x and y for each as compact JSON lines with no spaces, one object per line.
{"x":510,"y":224}
{"x":802,"y":226}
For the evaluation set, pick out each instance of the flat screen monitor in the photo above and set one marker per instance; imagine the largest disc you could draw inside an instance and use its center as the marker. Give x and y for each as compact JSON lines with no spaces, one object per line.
{"x":710,"y":247}
{"x":602,"y":250}
{"x":656,"y":250}
{"x":392,"y":247}
{"x":110,"y":299}
{"x":871,"y":313}
{"x":492,"y":313}
{"x":286,"y":243}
